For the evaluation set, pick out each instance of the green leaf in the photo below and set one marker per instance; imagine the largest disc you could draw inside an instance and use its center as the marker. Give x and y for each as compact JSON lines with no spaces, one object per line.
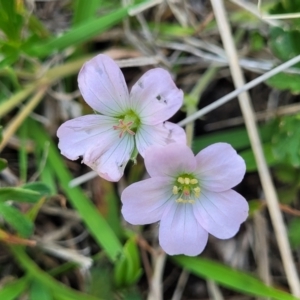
{"x":283,"y":81}
{"x":13,"y":290}
{"x":257,"y":42}
{"x":95,"y":222}
{"x":286,"y":140}
{"x":294,"y":232}
{"x":249,"y":158}
{"x":11,"y":21}
{"x":16,"y":219}
{"x":285,"y":44}
{"x":79,"y":34}
{"x":38,"y":187}
{"x":128,"y":268}
{"x":230,"y":278}
{"x":39,"y":291}
{"x":3,"y":164}
{"x":19,"y":194}
{"x":83,"y":12}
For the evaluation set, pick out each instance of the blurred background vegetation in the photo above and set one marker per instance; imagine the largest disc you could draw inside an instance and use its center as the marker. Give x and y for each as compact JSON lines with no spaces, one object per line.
{"x":68,"y":241}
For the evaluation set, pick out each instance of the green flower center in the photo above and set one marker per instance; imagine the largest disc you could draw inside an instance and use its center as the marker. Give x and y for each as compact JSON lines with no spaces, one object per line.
{"x":187,"y":188}
{"x":128,"y":123}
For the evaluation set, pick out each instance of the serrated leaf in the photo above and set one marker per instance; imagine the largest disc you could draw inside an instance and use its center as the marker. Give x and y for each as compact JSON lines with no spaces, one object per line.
{"x":19,"y":194}
{"x":16,"y":219}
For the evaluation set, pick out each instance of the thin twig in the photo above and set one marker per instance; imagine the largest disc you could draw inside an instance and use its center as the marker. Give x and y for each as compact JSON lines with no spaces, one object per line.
{"x":183,"y":278}
{"x":259,"y":116}
{"x":156,"y":292}
{"x":265,"y":177}
{"x":240,"y":90}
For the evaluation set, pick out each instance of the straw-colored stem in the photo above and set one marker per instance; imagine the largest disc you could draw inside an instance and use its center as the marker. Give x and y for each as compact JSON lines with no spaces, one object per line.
{"x":240,"y":90}
{"x":16,"y":122}
{"x":265,"y":177}
{"x":16,"y":99}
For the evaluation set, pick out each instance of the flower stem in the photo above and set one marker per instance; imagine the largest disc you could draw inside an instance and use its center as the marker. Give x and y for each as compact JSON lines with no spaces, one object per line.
{"x":194,"y":97}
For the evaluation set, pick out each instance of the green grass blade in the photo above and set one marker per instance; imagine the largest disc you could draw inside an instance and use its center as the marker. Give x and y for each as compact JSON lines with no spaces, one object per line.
{"x":21,"y":223}
{"x":12,"y":290}
{"x":79,"y":34}
{"x":39,"y":275}
{"x":230,"y":278}
{"x":237,"y":137}
{"x":19,"y":194}
{"x":84,"y":11}
{"x":95,"y":222}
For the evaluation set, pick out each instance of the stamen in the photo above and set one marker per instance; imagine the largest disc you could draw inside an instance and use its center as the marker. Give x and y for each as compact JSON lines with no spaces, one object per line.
{"x":175,"y":190}
{"x":194,"y":181}
{"x":186,"y":180}
{"x":197,"y":191}
{"x":180,"y":180}
{"x":180,"y":200}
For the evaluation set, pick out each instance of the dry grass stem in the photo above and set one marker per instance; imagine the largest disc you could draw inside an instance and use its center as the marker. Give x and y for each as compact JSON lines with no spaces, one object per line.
{"x":156,"y":287}
{"x":182,"y":281}
{"x":264,"y":174}
{"x":240,"y":90}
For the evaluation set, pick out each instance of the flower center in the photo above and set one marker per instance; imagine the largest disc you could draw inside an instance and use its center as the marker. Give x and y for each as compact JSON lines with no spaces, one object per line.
{"x":128,"y":123}
{"x":187,"y":188}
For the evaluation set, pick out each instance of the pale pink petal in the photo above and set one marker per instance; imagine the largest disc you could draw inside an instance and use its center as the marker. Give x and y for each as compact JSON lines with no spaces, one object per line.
{"x":161,"y":134}
{"x":103,"y":86}
{"x":78,"y":135}
{"x":221,"y":214}
{"x":219,"y":167}
{"x":179,"y":231}
{"x":145,"y":201}
{"x":171,"y":160}
{"x":110,"y":155}
{"x":155,"y":97}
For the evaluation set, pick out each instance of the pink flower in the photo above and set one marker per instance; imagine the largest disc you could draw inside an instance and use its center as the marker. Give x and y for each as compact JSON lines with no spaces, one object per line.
{"x":190,"y":196}
{"x":124,"y":124}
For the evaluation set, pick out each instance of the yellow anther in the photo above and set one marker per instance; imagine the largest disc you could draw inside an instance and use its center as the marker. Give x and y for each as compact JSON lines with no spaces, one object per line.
{"x":180,"y":180}
{"x":187,"y":180}
{"x":194,"y":181}
{"x":191,"y":201}
{"x":180,"y":200}
{"x":175,"y":190}
{"x":197,"y":191}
